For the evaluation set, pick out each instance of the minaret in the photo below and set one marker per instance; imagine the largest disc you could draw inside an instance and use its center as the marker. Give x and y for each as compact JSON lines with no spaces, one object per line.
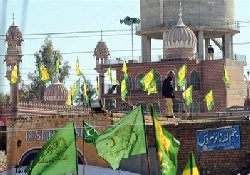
{"x":101,"y":53}
{"x":13,"y":57}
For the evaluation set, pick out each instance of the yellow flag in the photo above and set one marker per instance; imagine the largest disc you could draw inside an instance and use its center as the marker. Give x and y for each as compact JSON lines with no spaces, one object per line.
{"x":149,"y":83}
{"x":69,"y":99}
{"x":44,"y":75}
{"x":226,"y":78}
{"x":14,"y":75}
{"x":210,"y":100}
{"x":78,"y":69}
{"x":181,"y":78}
{"x":124,"y":67}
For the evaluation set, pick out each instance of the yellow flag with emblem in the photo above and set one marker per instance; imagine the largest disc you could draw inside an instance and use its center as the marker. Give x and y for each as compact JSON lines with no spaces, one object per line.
{"x":167,"y":147}
{"x":14,"y":75}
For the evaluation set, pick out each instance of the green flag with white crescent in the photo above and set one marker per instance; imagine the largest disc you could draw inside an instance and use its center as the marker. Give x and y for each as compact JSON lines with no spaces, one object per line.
{"x":58,"y":156}
{"x":123,"y":139}
{"x":89,"y":133}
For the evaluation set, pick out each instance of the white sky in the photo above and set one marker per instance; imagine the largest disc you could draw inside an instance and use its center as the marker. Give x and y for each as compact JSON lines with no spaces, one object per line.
{"x":52,"y":16}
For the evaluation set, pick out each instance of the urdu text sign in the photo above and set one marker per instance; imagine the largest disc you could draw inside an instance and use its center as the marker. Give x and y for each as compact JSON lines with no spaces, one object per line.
{"x":222,"y":138}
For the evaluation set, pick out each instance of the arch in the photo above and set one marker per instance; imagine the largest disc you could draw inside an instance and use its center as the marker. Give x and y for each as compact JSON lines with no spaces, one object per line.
{"x":194,"y":80}
{"x":138,"y":78}
{"x":31,"y":154}
{"x":130,"y":83}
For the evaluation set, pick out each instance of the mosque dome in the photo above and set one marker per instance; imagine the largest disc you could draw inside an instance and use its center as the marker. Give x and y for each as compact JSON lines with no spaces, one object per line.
{"x":180,"y":41}
{"x":181,"y":36}
{"x":56,"y":93}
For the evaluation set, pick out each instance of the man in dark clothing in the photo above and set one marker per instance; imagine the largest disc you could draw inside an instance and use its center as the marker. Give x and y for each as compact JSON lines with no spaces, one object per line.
{"x":168,"y":93}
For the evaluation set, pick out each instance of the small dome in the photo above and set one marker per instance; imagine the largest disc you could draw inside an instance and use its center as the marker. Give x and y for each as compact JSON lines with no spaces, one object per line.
{"x":180,"y":41}
{"x":101,"y":50}
{"x":180,"y":36}
{"x":56,"y":93}
{"x":14,"y":36}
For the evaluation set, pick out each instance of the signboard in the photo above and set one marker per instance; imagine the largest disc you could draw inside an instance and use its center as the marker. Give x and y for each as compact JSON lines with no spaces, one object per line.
{"x":223,"y":138}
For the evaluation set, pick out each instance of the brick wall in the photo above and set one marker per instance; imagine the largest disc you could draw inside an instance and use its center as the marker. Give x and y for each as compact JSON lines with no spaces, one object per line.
{"x":222,"y":162}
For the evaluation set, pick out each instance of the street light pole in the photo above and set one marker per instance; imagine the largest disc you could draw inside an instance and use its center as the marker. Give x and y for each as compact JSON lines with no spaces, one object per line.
{"x":130,"y":22}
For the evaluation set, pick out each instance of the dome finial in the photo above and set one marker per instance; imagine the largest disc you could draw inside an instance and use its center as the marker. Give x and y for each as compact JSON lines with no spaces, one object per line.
{"x":13,"y":17}
{"x":180,"y":22}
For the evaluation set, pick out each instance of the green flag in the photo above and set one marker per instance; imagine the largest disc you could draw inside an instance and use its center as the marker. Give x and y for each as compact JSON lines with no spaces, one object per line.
{"x":209,"y":98}
{"x":181,"y":78}
{"x":124,"y":87}
{"x":148,"y":82}
{"x":123,"y":139}
{"x":188,"y":95}
{"x":89,"y":133}
{"x":75,"y":89}
{"x":226,"y":78}
{"x":58,"y":156}
{"x":56,"y":64}
{"x":167,"y":147}
{"x":191,"y":168}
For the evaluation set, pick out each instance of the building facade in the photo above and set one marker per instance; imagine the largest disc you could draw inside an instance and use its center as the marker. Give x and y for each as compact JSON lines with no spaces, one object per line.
{"x":182,"y":44}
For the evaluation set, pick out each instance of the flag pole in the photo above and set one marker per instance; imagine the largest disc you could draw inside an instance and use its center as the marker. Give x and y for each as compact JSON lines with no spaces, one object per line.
{"x":84,"y":159}
{"x":146,"y":141}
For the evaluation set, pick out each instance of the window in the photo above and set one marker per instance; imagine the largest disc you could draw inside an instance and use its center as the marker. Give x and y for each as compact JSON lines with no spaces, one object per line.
{"x":194,"y":80}
{"x":138,"y":78}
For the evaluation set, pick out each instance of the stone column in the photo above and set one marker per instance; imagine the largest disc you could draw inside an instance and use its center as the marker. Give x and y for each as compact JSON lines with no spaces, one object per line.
{"x":207,"y":43}
{"x":200,"y":45}
{"x":101,"y":84}
{"x":146,"y":48}
{"x":227,"y":42}
{"x":164,"y":44}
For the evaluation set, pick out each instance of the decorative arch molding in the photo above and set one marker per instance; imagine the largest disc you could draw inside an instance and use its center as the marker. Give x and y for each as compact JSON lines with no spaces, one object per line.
{"x":194,"y":79}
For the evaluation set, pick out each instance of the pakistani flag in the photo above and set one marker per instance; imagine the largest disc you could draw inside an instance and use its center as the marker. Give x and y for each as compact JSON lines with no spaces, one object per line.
{"x":58,"y":156}
{"x":123,"y":139}
{"x":89,"y":133}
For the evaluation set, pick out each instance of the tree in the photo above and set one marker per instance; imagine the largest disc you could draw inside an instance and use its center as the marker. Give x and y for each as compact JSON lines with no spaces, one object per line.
{"x":4,"y":98}
{"x":47,"y":56}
